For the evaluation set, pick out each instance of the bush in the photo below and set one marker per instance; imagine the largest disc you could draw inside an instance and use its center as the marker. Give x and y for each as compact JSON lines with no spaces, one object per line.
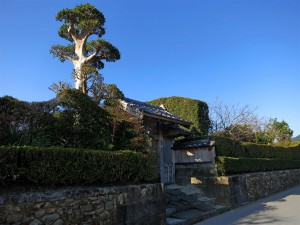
{"x":189,"y":109}
{"x":72,"y":119}
{"x":229,"y":165}
{"x":23,"y":123}
{"x":231,"y":148}
{"x":127,"y":131}
{"x":13,"y":121}
{"x":228,"y":147}
{"x":81,"y":122}
{"x":65,"y":166}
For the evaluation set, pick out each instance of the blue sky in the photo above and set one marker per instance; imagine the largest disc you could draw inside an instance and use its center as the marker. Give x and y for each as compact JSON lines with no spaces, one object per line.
{"x":240,"y":51}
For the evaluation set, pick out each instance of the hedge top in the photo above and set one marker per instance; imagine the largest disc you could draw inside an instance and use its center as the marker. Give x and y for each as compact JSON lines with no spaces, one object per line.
{"x":45,"y":166}
{"x":231,"y":148}
{"x":192,"y":110}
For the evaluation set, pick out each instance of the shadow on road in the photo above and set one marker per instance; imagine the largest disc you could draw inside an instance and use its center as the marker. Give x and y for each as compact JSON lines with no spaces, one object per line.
{"x":258,"y":216}
{"x":281,"y":208}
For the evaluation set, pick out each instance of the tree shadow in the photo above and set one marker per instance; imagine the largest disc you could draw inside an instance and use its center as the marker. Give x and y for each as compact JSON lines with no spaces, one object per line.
{"x":261,"y":212}
{"x":258,"y":216}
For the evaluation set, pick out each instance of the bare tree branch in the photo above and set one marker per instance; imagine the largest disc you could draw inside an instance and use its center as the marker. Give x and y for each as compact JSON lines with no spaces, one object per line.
{"x":59,"y":86}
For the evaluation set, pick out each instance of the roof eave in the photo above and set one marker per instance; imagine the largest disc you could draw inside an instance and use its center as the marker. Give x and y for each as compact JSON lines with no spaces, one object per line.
{"x":183,"y":123}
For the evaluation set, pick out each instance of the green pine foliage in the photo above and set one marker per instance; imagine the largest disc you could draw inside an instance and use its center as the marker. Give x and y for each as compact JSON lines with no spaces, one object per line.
{"x":51,"y":167}
{"x":189,"y":109}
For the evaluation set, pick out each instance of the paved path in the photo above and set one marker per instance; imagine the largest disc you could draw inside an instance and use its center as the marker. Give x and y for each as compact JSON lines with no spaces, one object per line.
{"x":279,"y":209}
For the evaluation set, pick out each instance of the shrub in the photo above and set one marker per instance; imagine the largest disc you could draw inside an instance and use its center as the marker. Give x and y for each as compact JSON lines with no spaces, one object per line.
{"x":230,"y":165}
{"x":127,"y":131}
{"x":81,"y":122}
{"x":231,"y":148}
{"x":26,"y":123}
{"x":13,"y":123}
{"x":65,"y":166}
{"x":71,"y":120}
{"x":190,"y":109}
{"x":228,"y":147}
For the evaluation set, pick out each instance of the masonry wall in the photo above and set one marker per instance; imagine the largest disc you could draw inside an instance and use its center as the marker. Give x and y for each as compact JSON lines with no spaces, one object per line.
{"x":130,"y":205}
{"x":194,"y":173}
{"x":237,"y":190}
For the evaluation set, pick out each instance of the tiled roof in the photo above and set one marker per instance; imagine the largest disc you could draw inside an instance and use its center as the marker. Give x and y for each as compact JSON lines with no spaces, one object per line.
{"x":155,"y":111}
{"x":192,"y":144}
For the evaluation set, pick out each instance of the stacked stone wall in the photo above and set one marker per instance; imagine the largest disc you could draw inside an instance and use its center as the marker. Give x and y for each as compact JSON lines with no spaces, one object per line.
{"x":240,"y":189}
{"x":130,"y":205}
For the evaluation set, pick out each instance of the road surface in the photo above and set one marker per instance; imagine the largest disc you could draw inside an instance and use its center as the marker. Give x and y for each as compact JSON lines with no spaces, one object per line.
{"x":279,"y":209}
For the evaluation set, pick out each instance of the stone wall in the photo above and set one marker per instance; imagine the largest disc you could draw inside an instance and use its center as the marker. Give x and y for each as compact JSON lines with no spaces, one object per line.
{"x":130,"y":205}
{"x":193,"y":173}
{"x":237,"y":190}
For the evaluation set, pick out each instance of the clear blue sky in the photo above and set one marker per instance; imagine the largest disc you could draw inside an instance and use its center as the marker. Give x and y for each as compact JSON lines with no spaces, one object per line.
{"x":241,"y":51}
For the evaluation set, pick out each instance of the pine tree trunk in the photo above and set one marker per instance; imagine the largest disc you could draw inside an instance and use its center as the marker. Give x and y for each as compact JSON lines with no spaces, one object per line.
{"x":79,"y":77}
{"x":80,"y":81}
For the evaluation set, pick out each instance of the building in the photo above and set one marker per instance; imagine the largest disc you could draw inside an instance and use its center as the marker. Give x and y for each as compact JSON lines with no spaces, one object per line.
{"x":163,"y":127}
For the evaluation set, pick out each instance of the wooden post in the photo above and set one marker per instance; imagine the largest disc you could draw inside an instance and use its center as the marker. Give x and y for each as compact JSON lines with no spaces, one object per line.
{"x":161,"y":154}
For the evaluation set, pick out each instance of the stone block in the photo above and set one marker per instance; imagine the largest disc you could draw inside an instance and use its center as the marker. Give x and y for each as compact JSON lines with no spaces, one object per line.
{"x":2,"y":200}
{"x":99,"y":211}
{"x":109,"y":205}
{"x":26,"y":219}
{"x":40,"y":213}
{"x":50,"y":210}
{"x":104,"y":216}
{"x":14,"y":218}
{"x":93,"y":198}
{"x":36,"y":222}
{"x":86,"y":208}
{"x":58,"y":222}
{"x":49,"y":219}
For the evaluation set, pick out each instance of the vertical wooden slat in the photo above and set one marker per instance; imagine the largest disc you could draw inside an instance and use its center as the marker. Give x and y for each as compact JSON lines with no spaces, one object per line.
{"x":194,"y":155}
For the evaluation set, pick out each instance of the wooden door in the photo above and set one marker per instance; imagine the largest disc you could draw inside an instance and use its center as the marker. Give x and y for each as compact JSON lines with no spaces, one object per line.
{"x":167,"y":168}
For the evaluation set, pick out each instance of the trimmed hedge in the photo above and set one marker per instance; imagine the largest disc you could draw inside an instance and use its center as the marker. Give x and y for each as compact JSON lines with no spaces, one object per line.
{"x":230,"y":165}
{"x":66,"y":166}
{"x":231,"y":148}
{"x":72,"y":119}
{"x":192,"y":110}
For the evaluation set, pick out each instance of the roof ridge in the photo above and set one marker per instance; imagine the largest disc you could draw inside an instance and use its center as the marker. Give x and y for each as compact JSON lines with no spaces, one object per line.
{"x":147,"y":104}
{"x":155,"y":111}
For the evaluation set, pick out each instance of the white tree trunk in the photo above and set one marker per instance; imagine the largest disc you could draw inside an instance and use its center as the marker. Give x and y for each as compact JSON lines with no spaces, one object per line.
{"x":78,"y":64}
{"x":78,"y":76}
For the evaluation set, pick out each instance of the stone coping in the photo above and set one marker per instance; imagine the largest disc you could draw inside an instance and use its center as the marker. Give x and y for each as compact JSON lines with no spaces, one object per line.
{"x":61,"y":193}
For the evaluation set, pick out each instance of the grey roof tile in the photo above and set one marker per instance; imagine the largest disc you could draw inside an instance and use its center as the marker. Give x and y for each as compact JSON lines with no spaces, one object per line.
{"x":157,"y":111}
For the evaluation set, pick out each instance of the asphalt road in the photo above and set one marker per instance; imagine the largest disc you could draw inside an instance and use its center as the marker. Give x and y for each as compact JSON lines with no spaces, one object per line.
{"x":279,"y":209}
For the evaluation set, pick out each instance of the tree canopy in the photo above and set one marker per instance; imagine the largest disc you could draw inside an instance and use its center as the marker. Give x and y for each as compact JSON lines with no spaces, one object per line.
{"x":79,"y":24}
{"x":240,"y":123}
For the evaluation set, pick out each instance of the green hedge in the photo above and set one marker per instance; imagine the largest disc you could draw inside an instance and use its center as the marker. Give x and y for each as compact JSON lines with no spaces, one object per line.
{"x":230,"y":165}
{"x":190,"y":109}
{"x":72,"y":119}
{"x":231,"y":148}
{"x":62,"y":166}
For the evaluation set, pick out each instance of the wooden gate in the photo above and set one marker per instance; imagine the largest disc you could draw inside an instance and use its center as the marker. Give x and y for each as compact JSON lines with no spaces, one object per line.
{"x":167,"y":163}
